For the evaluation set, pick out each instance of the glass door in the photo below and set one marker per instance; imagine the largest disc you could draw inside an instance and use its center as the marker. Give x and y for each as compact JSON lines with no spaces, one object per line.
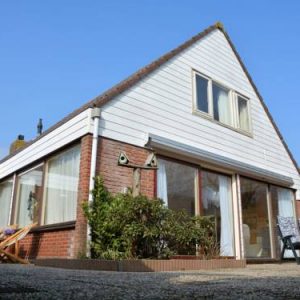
{"x":254,"y":198}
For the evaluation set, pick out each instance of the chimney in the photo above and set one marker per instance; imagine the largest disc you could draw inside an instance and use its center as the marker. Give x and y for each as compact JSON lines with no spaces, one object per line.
{"x":17,"y":144}
{"x":40,"y":127}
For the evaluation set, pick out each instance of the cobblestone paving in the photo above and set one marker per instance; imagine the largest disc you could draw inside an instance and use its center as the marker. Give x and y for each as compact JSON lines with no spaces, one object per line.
{"x":268,"y":281}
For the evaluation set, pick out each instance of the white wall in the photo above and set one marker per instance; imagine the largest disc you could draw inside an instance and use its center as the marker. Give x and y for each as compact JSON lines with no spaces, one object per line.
{"x":162,"y":104}
{"x":63,"y":135}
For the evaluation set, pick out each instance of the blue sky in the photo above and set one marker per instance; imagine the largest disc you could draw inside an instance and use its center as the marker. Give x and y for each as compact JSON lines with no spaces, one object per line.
{"x":57,"y":55}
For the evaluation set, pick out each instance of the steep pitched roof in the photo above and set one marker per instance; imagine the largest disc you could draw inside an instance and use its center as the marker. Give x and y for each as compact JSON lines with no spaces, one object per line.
{"x":143,"y":72}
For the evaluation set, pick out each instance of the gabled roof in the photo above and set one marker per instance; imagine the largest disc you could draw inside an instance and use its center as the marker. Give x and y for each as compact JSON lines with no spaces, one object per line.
{"x":143,"y":72}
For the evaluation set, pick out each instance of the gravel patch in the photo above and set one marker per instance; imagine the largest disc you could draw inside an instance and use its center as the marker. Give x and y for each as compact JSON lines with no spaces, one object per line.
{"x":270,"y":281}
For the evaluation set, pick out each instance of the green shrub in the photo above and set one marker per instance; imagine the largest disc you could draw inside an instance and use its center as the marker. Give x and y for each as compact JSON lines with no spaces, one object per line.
{"x":124,"y":226}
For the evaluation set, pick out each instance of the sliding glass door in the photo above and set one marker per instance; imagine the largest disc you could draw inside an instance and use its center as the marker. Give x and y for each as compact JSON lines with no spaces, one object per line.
{"x":282,"y":205}
{"x":254,"y":196}
{"x":216,"y":200}
{"x":176,"y":185}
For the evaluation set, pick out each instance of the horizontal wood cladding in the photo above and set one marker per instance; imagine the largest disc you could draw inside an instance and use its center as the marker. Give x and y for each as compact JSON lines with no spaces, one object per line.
{"x":161,"y":104}
{"x":56,"y":139}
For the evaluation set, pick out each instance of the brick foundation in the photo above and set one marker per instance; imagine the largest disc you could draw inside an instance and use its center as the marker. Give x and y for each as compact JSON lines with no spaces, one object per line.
{"x":47,"y":244}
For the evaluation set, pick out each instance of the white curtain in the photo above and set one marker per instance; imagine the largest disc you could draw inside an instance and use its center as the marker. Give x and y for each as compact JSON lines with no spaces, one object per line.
{"x":285,"y":202}
{"x":162,"y":184}
{"x":223,"y":106}
{"x":26,"y":187}
{"x":61,"y":187}
{"x":285,"y":209}
{"x":226,"y":242}
{"x":243,"y":114}
{"x":5,"y":199}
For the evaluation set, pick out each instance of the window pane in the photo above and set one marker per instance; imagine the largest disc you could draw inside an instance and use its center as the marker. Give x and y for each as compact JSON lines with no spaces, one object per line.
{"x":201,"y":91}
{"x":176,"y":185}
{"x":255,"y":218}
{"x":282,"y":205}
{"x":29,"y":196}
{"x":217,"y":201}
{"x":222,"y":105}
{"x":61,"y":187}
{"x":243,"y":114}
{"x":5,"y":199}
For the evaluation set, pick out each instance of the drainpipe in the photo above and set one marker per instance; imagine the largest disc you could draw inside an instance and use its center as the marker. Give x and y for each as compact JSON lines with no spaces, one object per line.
{"x":96,"y":118}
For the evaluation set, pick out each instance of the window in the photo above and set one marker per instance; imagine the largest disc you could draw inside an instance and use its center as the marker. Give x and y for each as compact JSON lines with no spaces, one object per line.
{"x":176,"y":185}
{"x":254,"y":196}
{"x":29,"y":196}
{"x":221,"y":104}
{"x":243,"y":113}
{"x":216,"y":200}
{"x":61,"y":186}
{"x":202,"y":93}
{"x":282,"y":205}
{"x":5,"y":200}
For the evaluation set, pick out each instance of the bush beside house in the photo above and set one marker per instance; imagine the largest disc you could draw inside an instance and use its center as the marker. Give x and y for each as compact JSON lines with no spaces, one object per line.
{"x":127,"y":227}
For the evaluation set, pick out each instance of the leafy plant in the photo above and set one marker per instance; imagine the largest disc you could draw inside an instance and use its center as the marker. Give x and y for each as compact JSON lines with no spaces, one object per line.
{"x":123,"y":226}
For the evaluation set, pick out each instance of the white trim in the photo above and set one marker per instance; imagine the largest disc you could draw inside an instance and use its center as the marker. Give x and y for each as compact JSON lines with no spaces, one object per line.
{"x":270,"y":223}
{"x":236,"y":217}
{"x":12,"y":198}
{"x":240,"y":217}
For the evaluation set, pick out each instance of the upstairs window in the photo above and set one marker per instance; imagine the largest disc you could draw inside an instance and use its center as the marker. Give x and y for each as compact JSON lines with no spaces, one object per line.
{"x":243,"y":113}
{"x":221,"y":104}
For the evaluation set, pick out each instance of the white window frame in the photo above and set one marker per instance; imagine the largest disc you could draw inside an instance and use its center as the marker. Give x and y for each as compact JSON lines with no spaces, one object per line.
{"x":233,"y":99}
{"x":236,"y":103}
{"x":17,"y":181}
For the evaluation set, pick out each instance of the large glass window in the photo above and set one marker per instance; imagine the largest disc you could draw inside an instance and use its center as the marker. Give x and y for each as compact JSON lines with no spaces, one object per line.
{"x":282,"y":205}
{"x":176,"y":185}
{"x":61,"y":186}
{"x":5,"y":201}
{"x":255,"y":218}
{"x":29,"y":196}
{"x":216,"y":200}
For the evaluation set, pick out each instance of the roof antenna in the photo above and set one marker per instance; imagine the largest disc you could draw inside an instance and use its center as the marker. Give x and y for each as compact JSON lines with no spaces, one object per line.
{"x":40,"y":127}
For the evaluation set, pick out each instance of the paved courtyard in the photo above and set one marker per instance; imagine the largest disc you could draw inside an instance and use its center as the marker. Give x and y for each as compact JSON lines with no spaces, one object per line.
{"x":256,"y":281}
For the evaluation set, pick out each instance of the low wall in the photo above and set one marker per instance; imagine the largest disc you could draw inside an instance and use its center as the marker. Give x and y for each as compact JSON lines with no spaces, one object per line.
{"x":142,"y":265}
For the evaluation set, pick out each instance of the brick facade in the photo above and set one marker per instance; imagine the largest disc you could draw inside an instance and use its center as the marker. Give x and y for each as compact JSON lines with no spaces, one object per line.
{"x":116,"y":178}
{"x":297,"y":208}
{"x":57,"y":243}
{"x":71,"y":243}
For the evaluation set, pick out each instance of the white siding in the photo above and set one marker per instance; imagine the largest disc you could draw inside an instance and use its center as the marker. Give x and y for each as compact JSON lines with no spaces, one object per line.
{"x":63,"y":135}
{"x":161,"y":104}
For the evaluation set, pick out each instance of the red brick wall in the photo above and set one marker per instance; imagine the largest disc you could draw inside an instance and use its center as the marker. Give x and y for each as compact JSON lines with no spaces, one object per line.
{"x":83,"y":195}
{"x":116,"y":178}
{"x":48,"y":244}
{"x":298,"y":208}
